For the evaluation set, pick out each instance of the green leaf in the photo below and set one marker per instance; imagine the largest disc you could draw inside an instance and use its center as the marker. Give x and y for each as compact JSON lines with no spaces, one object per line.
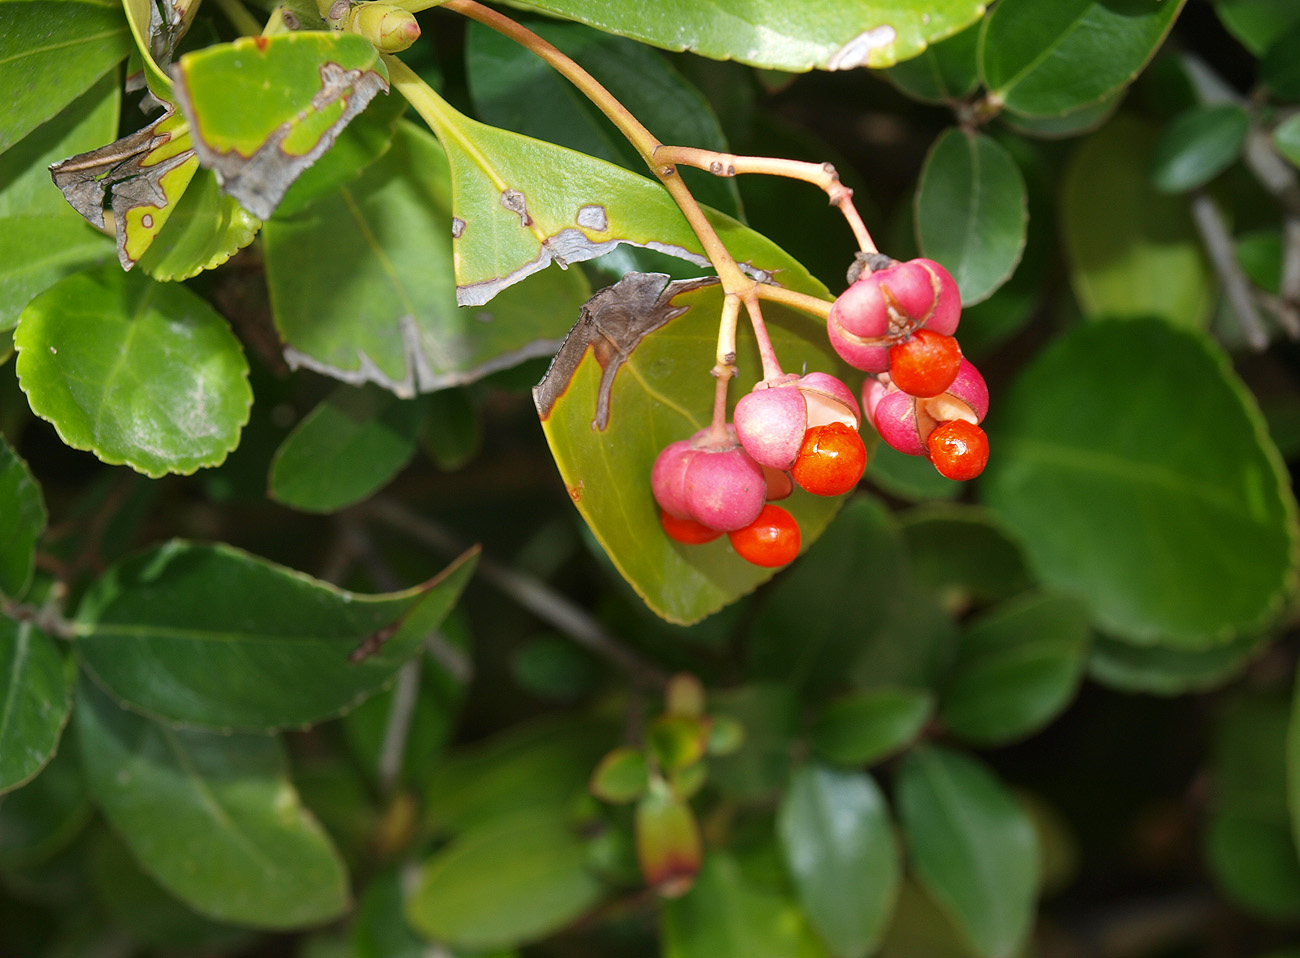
{"x":22,"y":520}
{"x":866,"y":727}
{"x":760,"y":768}
{"x":622,"y":776}
{"x":85,"y":123}
{"x":212,"y":636}
{"x":1161,"y":501}
{"x":1197,"y":146}
{"x":1047,"y":61}
{"x":362,"y":287}
{"x":379,"y":929}
{"x":34,"y":701}
{"x":727,"y":915}
{"x":40,"y":819}
{"x":972,"y":211}
{"x":203,"y":230}
{"x":512,"y":218}
{"x":849,"y":579}
{"x":1159,"y":671}
{"x":1279,"y":68}
{"x":238,"y":845}
{"x":515,"y":90}
{"x":1257,"y":23}
{"x":838,"y":842}
{"x":963,"y":553}
{"x":636,"y":368}
{"x":554,"y":668}
{"x":133,"y":371}
{"x":345,"y":449}
{"x":263,"y":109}
{"x":38,"y":251}
{"x":1017,"y":667}
{"x":1132,"y":251}
{"x":51,"y":53}
{"x":1286,"y":139}
{"x":971,"y":845}
{"x":452,"y":432}
{"x":794,"y":37}
{"x":1255,"y":863}
{"x":944,"y":72}
{"x":911,"y":478}
{"x":507,"y":882}
{"x":1075,"y":123}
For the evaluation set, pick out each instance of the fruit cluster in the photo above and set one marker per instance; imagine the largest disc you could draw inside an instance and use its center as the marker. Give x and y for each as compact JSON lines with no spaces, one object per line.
{"x":896,"y":323}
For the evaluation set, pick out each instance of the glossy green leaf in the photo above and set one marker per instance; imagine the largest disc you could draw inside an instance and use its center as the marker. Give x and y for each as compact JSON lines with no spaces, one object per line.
{"x":944,"y":72}
{"x":133,"y":371}
{"x":850,"y":577}
{"x":838,"y":842}
{"x":1197,"y":146}
{"x":866,"y":727}
{"x":40,"y":819}
{"x":1132,"y":252}
{"x":508,"y":881}
{"x":212,"y":636}
{"x":512,"y":218}
{"x":1165,"y":508}
{"x":1075,"y":123}
{"x":515,"y":90}
{"x":963,"y":553}
{"x":760,"y":768}
{"x":263,"y":109}
{"x":1160,"y":671}
{"x":540,"y":764}
{"x":1280,"y":67}
{"x":22,"y":520}
{"x":971,"y":211}
{"x":728,"y":915}
{"x":238,"y":846}
{"x":910,"y":478}
{"x":1286,"y":139}
{"x":971,"y":845}
{"x":1257,"y":23}
{"x":34,"y":701}
{"x":652,"y":389}
{"x":38,"y":251}
{"x":203,"y":230}
{"x":1047,"y":61}
{"x":362,"y":287}
{"x":52,"y":52}
{"x":345,"y":449}
{"x":1017,"y":667}
{"x":85,"y":123}
{"x":773,"y":33}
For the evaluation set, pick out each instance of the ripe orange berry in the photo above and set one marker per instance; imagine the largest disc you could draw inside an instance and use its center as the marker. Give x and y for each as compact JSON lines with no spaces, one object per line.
{"x":771,"y":540}
{"x":925,"y":364}
{"x":687,"y":531}
{"x":958,"y":449}
{"x":831,"y":460}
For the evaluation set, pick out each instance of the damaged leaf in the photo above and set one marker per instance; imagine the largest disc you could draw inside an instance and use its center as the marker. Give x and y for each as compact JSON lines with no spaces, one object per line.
{"x":158,"y":26}
{"x":263,"y":109}
{"x":514,"y":215}
{"x":632,"y":377}
{"x":362,"y":287}
{"x":795,"y":37}
{"x":142,"y":175}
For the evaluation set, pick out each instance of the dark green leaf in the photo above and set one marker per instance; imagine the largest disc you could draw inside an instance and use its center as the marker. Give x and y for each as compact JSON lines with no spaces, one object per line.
{"x":839,"y":845}
{"x":1075,"y":123}
{"x":826,"y":34}
{"x":911,"y":478}
{"x":1050,"y":60}
{"x":552,"y":667}
{"x":1132,"y":251}
{"x":971,"y":212}
{"x":39,"y":820}
{"x":944,"y":72}
{"x":506,"y":882}
{"x":34,"y":701}
{"x":1257,"y":23}
{"x":136,"y":372}
{"x":761,"y":766}
{"x":971,"y":846}
{"x":215,"y":637}
{"x":51,"y":53}
{"x":1017,"y":667}
{"x":1197,"y":146}
{"x":1158,"y":671}
{"x":1280,"y":67}
{"x":362,"y":288}
{"x":1255,"y":863}
{"x":345,"y":449}
{"x":380,"y":929}
{"x":726,"y":915}
{"x":963,"y":553}
{"x":452,"y":433}
{"x":866,"y":727}
{"x":38,"y":251}
{"x":1164,"y":507}
{"x":238,"y":846}
{"x":22,"y":520}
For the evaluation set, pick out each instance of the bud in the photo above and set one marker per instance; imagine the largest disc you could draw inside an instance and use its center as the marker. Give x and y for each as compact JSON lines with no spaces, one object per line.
{"x":391,"y":29}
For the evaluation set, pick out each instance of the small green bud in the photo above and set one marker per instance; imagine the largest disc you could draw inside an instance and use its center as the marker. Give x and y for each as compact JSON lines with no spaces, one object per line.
{"x":391,"y":29}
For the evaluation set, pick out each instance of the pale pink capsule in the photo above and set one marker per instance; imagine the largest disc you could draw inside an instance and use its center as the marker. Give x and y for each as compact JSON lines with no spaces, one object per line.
{"x":868,"y":356}
{"x":896,"y":421}
{"x":829,"y":400}
{"x":946,"y":313}
{"x":724,"y":490}
{"x":668,"y":477}
{"x":770,"y":423}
